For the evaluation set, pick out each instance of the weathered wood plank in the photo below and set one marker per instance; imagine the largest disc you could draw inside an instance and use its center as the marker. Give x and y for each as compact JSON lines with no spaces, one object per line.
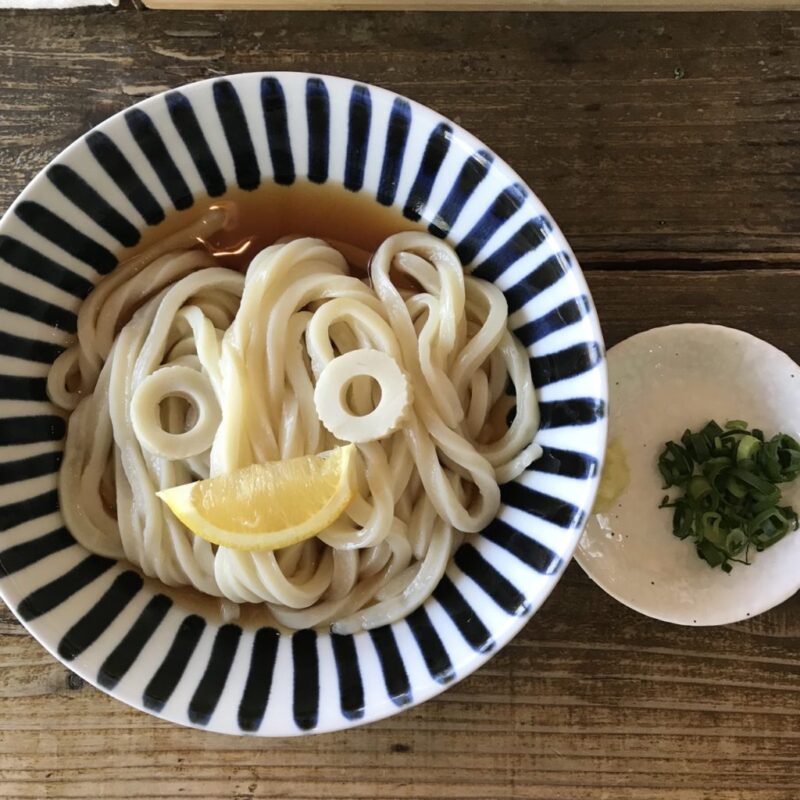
{"x":666,"y":147}
{"x":475,"y":5}
{"x":650,"y":137}
{"x":760,"y":301}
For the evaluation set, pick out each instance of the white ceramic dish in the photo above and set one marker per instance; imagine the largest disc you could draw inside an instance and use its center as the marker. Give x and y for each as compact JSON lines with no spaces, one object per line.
{"x":661,"y":382}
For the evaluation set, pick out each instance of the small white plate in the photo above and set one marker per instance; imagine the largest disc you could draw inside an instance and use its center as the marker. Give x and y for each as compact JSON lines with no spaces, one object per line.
{"x":660,"y":383}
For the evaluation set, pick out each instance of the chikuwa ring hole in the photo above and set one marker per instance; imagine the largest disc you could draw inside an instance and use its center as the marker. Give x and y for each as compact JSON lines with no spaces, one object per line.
{"x":178,"y":413}
{"x":361,"y":395}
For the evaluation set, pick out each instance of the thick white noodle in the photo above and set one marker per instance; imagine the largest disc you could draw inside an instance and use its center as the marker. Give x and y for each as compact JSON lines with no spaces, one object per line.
{"x":185,"y":370}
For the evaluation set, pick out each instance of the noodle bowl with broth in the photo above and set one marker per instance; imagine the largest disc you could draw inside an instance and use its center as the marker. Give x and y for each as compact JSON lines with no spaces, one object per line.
{"x":231,"y":361}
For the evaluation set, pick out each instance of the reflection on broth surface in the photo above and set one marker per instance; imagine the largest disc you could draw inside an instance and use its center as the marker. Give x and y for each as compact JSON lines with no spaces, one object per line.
{"x":260,"y":217}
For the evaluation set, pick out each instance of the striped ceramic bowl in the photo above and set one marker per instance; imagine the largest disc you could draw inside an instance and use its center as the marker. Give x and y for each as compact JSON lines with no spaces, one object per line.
{"x":152,"y":649}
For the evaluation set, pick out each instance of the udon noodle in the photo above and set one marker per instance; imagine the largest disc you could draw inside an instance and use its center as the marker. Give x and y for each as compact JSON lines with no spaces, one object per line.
{"x":238,"y":357}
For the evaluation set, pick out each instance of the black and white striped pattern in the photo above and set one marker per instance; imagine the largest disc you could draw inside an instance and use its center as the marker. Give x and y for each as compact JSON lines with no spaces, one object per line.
{"x":128,"y":635}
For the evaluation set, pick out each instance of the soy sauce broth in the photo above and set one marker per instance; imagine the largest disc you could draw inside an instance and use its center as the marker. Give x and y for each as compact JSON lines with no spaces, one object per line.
{"x":258,"y":218}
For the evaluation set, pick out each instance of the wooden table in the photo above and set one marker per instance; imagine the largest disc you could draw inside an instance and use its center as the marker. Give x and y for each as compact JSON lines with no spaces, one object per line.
{"x":668,"y":148}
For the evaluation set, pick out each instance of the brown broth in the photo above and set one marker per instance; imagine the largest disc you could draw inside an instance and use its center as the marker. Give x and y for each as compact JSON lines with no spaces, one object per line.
{"x":260,"y":217}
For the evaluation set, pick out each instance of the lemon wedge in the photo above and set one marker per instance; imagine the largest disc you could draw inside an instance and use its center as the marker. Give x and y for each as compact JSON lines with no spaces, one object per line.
{"x":267,"y":506}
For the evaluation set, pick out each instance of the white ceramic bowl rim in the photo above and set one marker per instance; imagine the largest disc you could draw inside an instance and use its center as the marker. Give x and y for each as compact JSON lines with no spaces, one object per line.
{"x":133,"y":639}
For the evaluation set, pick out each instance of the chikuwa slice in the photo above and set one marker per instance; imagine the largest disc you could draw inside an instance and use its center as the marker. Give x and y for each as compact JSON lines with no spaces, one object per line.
{"x":330,"y":396}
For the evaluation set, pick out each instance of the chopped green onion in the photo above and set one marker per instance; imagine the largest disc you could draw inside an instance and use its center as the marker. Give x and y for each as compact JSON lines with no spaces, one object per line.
{"x":748,"y":446}
{"x":675,"y":465}
{"x":736,"y":424}
{"x":729,"y":499}
{"x":736,"y":541}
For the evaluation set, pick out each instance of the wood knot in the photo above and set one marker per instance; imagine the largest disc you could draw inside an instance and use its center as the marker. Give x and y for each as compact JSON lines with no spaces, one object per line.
{"x":74,"y":682}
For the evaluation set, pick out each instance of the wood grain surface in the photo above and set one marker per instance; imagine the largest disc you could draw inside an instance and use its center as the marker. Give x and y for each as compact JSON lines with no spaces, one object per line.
{"x":476,"y":5}
{"x":667,"y":147}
